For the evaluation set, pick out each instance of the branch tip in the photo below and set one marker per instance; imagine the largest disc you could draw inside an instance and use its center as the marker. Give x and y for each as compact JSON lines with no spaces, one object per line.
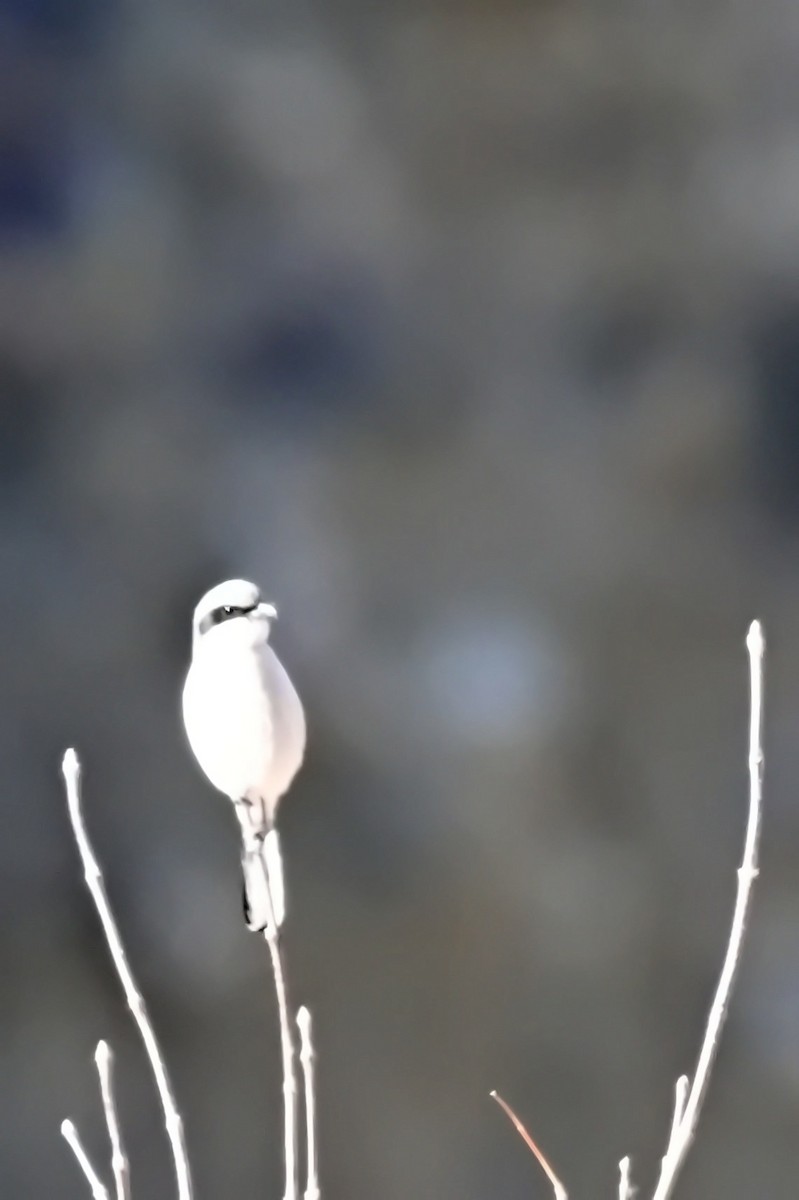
{"x":307,"y":1056}
{"x":303,"y":1019}
{"x":625,"y":1183}
{"x":72,"y":1138}
{"x":755,"y":639}
{"x":557,"y":1187}
{"x":70,"y":764}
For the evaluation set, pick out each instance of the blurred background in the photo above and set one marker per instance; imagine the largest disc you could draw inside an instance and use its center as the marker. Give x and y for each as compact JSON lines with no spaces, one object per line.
{"x":471,"y":332}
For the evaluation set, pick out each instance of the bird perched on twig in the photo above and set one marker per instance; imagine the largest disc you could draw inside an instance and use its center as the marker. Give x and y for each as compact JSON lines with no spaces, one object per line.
{"x":246,"y":726}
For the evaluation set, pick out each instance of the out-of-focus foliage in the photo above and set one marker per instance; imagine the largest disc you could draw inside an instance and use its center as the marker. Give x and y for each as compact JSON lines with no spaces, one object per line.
{"x":471,"y":331}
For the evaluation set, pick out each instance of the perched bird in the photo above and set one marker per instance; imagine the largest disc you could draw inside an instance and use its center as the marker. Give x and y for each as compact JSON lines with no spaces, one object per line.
{"x":246,"y":726}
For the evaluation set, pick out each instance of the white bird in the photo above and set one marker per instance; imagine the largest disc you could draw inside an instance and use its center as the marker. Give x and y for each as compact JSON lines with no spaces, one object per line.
{"x":246,"y":726}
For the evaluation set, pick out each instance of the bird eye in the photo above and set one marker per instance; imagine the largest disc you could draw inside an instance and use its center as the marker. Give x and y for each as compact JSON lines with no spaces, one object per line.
{"x":224,"y":613}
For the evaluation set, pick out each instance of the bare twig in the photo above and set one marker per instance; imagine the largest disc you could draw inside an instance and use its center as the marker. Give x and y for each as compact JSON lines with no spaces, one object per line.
{"x":119,"y":1160}
{"x":687,"y":1108}
{"x":71,"y":1137}
{"x":625,"y":1183}
{"x":96,"y":885}
{"x":557,"y":1187}
{"x":272,"y":938}
{"x":307,"y":1058}
{"x":256,"y":883}
{"x":680,"y":1097}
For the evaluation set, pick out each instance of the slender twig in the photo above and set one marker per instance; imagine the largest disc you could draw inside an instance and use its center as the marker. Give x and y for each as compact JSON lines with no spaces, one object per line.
{"x":71,"y":1137}
{"x":287,"y":1051}
{"x":119,"y":1159}
{"x":625,"y":1183}
{"x":308,"y":1058}
{"x":680,"y":1096}
{"x":256,"y":882}
{"x":135,"y":1000}
{"x":557,"y":1186}
{"x":684,"y":1126}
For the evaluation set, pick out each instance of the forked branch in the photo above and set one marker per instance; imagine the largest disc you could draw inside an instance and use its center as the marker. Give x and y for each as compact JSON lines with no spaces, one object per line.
{"x":689,"y":1097}
{"x":690,"y":1093}
{"x":136,"y":1004}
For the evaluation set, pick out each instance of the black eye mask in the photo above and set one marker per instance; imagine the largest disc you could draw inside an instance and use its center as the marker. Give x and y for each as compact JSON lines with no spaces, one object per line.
{"x":226,"y":612}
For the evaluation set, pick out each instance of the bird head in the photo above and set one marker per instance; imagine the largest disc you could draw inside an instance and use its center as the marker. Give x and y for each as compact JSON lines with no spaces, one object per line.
{"x":233,"y":600}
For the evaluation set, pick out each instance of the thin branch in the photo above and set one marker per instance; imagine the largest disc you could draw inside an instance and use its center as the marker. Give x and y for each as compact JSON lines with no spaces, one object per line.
{"x":625,"y":1183}
{"x":119,"y":1159}
{"x":557,"y":1186}
{"x":287,"y":1051}
{"x":256,"y":882}
{"x":308,"y":1058}
{"x":71,"y":1137}
{"x":684,"y":1128}
{"x":680,"y":1097}
{"x":135,"y":1000}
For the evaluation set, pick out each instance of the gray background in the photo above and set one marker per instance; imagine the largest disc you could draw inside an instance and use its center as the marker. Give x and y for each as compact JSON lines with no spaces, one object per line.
{"x":471,"y":332}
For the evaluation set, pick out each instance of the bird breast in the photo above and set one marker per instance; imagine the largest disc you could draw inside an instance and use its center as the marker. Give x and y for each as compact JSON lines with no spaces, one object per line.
{"x":244,"y":719}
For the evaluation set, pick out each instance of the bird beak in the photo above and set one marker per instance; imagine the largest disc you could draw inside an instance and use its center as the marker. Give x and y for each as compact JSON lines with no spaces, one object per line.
{"x":267,"y":610}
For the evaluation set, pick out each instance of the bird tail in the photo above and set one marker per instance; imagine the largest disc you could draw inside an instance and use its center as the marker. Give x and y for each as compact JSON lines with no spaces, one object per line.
{"x":264,"y":891}
{"x":262,"y":865}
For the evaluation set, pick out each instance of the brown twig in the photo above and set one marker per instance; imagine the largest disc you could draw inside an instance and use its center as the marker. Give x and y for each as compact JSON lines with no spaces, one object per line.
{"x":557,"y":1186}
